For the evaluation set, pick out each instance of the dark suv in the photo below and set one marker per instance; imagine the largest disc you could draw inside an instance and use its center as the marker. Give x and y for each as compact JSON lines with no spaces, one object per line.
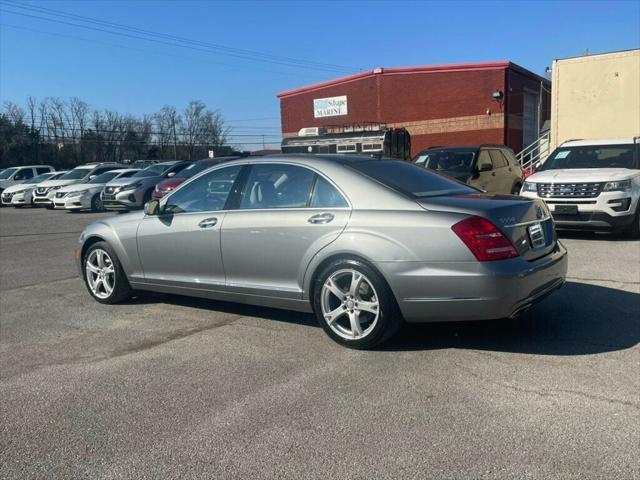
{"x":492,"y":168}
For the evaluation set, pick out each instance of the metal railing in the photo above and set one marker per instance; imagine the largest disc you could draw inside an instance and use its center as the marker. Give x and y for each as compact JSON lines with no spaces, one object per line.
{"x":537,"y":151}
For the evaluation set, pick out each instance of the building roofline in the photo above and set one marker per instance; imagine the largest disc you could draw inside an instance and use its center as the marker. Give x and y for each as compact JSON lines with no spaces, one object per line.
{"x":456,"y":67}
{"x":628,"y":50}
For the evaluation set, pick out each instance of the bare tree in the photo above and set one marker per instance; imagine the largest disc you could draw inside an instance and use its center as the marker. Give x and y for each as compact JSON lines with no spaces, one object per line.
{"x":15,"y":113}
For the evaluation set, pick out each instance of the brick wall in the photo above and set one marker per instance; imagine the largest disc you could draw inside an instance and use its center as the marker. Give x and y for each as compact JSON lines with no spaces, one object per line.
{"x":437,"y":107}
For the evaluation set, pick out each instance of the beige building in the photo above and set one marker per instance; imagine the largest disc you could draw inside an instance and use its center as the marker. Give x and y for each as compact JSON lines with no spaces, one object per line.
{"x":596,"y":96}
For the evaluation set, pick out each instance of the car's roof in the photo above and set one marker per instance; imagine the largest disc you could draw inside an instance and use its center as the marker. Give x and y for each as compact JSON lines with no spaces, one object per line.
{"x":26,"y":166}
{"x":603,"y":141}
{"x":121,"y":170}
{"x":468,"y":147}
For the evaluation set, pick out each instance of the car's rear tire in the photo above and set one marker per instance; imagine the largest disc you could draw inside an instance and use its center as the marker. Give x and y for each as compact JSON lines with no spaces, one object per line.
{"x":354,"y":304}
{"x":96,"y":203}
{"x":103,"y":274}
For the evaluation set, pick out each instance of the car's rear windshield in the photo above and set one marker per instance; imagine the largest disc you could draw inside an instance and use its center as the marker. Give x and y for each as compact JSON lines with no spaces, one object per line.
{"x":152,"y":171}
{"x":409,"y":179}
{"x":593,"y":156}
{"x":447,"y":160}
{"x":76,"y":174}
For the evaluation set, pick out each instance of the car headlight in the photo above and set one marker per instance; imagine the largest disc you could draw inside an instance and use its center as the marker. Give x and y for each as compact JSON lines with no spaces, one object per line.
{"x":529,"y":187}
{"x":75,"y":194}
{"x":131,"y":186}
{"x":619,"y":186}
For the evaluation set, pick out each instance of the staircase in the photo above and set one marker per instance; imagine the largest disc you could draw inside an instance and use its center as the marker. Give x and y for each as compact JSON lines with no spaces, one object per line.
{"x":538,"y":151}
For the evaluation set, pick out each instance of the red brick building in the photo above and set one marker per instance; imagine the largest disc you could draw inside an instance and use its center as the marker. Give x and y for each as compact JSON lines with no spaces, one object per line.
{"x":495,"y":102}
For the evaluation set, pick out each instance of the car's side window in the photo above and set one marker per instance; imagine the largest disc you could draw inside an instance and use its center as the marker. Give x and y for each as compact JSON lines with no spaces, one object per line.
{"x":484,"y":159}
{"x":24,"y":174}
{"x":207,"y":193}
{"x":511,"y":158}
{"x":276,"y":186}
{"x":326,"y":196}
{"x":42,"y":170}
{"x":498,"y":159}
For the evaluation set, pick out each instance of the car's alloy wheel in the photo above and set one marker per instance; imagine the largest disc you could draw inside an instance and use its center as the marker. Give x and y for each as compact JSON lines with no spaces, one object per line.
{"x":354,"y":305}
{"x":350,"y":304}
{"x":100,"y":273}
{"x":103,"y":274}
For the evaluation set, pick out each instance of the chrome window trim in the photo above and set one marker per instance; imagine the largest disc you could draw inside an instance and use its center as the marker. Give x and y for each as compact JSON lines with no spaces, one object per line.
{"x":274,"y":162}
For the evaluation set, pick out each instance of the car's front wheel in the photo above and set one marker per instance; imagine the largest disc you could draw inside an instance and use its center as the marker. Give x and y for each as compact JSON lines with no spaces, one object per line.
{"x":96,"y":203}
{"x":103,"y":274}
{"x":354,"y":305}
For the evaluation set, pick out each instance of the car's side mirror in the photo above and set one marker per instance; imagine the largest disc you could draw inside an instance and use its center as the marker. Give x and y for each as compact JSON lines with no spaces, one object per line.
{"x":485,"y":167}
{"x":152,"y":207}
{"x":537,"y":165}
{"x":91,"y":177}
{"x":171,"y":174}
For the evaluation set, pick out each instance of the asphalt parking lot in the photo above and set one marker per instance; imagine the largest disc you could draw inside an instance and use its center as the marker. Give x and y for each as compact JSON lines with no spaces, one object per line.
{"x":167,"y":387}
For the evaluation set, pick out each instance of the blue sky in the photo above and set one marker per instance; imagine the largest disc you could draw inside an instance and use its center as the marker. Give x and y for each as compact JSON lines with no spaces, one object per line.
{"x":132,"y":75}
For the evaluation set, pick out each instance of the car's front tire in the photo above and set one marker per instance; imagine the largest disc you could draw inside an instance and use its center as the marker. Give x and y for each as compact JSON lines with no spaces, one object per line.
{"x":96,"y":203}
{"x":633,"y":230}
{"x":354,"y":305}
{"x":103,"y":274}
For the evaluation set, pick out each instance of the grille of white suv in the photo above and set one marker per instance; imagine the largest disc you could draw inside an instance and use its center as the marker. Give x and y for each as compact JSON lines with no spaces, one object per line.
{"x":569,"y":190}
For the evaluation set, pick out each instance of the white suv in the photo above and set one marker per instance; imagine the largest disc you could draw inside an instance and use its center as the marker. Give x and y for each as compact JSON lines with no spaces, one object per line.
{"x":591,"y":185}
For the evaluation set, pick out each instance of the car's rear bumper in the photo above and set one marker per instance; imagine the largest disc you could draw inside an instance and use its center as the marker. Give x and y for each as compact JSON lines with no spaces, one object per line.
{"x":460,"y":291}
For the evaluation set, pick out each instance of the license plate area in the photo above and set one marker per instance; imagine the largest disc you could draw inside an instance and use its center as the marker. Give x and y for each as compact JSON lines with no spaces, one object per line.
{"x":566,"y":209}
{"x":536,"y":235}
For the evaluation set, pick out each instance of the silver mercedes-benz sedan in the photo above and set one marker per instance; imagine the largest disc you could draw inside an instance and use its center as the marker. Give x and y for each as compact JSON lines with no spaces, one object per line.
{"x":363,"y":243}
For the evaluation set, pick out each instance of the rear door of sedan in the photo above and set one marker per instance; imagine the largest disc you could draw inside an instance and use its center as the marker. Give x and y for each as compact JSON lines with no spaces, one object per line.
{"x":285,"y":214}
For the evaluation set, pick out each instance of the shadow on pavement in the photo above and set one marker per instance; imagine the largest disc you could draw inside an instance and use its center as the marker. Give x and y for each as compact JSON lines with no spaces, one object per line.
{"x":579,"y":319}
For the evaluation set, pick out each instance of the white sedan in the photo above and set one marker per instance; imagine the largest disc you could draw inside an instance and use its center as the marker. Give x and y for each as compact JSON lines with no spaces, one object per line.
{"x":19,"y":194}
{"x":86,"y":196}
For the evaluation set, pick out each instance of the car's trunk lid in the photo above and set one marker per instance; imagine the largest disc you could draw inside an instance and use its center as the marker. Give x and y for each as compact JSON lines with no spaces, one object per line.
{"x":526,"y":222}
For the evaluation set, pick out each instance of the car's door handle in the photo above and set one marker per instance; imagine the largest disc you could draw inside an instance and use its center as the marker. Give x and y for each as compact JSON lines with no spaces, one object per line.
{"x":321,"y":218}
{"x":208,"y":223}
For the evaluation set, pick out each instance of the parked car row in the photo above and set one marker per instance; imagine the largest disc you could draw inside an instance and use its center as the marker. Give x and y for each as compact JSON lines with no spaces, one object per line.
{"x":96,"y":186}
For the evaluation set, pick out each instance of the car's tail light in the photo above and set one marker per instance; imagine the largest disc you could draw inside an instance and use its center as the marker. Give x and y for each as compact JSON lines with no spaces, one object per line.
{"x":484,"y":239}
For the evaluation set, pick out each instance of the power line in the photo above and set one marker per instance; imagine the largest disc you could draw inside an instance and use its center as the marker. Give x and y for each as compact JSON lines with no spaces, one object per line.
{"x":153,"y":52}
{"x":95,"y":21}
{"x":171,"y":40}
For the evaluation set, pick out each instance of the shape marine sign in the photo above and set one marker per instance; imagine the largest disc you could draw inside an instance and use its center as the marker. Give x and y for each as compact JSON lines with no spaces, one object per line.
{"x":330,"y":107}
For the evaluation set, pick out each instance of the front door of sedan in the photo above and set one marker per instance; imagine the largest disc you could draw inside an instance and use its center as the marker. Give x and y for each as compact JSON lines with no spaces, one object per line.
{"x":180,"y":247}
{"x":286,"y":214}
